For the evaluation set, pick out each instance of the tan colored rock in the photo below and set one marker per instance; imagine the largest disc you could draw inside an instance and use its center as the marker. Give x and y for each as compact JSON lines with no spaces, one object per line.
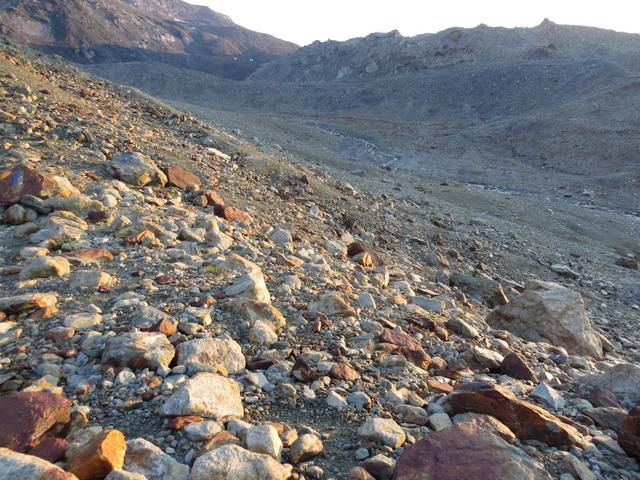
{"x":144,"y":458}
{"x":206,"y":395}
{"x":95,"y":459}
{"x":549,"y":312}
{"x":213,"y":355}
{"x":182,"y":178}
{"x":332,"y":304}
{"x":137,"y":169}
{"x":45,"y":303}
{"x":90,"y":280}
{"x":233,"y":462}
{"x":17,"y":466}
{"x":45,"y":267}
{"x":138,"y":350}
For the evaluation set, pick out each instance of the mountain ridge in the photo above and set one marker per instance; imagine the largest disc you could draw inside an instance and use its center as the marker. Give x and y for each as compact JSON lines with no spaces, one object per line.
{"x":168,"y":31}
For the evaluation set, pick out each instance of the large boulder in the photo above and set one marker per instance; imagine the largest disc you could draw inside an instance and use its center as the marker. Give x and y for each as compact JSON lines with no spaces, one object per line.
{"x":622,"y":379}
{"x":17,"y":466}
{"x":206,"y":395}
{"x":26,"y":416}
{"x":136,"y":169}
{"x":138,"y":350}
{"x":233,"y":462}
{"x":213,"y":355}
{"x":146,"y":459}
{"x":549,"y":312}
{"x":465,"y":451}
{"x":526,"y":420}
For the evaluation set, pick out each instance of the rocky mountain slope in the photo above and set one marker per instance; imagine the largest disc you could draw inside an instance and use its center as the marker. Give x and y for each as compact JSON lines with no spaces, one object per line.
{"x":180,"y":303}
{"x":385,"y":54}
{"x":168,"y":31}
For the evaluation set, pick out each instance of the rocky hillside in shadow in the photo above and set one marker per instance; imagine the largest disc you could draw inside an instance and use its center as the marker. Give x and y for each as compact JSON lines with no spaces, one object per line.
{"x":168,"y":31}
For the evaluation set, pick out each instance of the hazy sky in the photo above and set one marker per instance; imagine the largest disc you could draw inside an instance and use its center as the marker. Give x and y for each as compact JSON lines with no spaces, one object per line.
{"x":303,"y":21}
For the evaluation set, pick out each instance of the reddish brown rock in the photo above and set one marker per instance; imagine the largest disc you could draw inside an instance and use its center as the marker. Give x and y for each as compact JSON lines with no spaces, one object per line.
{"x":231,"y":213}
{"x":178,"y":423}
{"x":303,"y":372}
{"x":214,"y":198}
{"x":342,"y":371}
{"x":526,"y":420}
{"x":408,"y":347}
{"x":516,"y":366}
{"x":165,"y":326}
{"x":95,"y":459}
{"x":182,"y":178}
{"x":221,"y":439}
{"x":51,"y":449}
{"x":466,"y":452}
{"x":629,"y":436}
{"x":27,"y":416}
{"x":21,"y":181}
{"x":439,"y":387}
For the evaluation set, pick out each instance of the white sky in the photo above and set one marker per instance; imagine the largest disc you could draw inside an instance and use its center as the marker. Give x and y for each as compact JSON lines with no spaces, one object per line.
{"x":303,"y":21}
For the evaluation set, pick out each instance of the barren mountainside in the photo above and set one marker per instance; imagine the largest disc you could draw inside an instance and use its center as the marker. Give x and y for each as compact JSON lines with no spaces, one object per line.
{"x":169,"y":31}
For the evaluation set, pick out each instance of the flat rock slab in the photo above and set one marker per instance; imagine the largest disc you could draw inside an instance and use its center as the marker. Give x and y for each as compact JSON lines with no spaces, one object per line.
{"x":466,"y":452}
{"x":526,"y":420}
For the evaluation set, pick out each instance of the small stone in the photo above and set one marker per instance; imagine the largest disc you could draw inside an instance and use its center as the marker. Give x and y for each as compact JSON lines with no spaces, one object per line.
{"x":305,"y":447}
{"x":264,"y":439}
{"x":144,"y":458}
{"x":383,"y":430}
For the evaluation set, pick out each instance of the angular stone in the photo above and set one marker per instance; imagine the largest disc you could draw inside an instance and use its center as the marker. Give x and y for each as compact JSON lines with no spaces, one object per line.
{"x":120,"y":474}
{"x":206,"y":395}
{"x":408,"y":347}
{"x":629,"y":436}
{"x":136,"y":169}
{"x":45,"y":303}
{"x":611,"y":418}
{"x":262,"y":312}
{"x":305,"y":448}
{"x":138,"y":350}
{"x":95,"y":459}
{"x":51,"y":449}
{"x":22,"y":181}
{"x":83,"y":321}
{"x":622,"y":379}
{"x":332,"y":305}
{"x":231,"y":214}
{"x":144,"y":458}
{"x":17,"y":466}
{"x":526,"y":420}
{"x":90,"y":256}
{"x":251,"y":286}
{"x":213,"y":355}
{"x":383,"y":430}
{"x":90,"y":280}
{"x":45,"y":267}
{"x":182,"y":178}
{"x":601,"y":397}
{"x":264,"y":439}
{"x":486,"y":288}
{"x":233,"y":462}
{"x":464,"y":451}
{"x":549,"y":312}
{"x":547,"y":394}
{"x":26,"y":416}
{"x":488,"y":423}
{"x":516,"y":366}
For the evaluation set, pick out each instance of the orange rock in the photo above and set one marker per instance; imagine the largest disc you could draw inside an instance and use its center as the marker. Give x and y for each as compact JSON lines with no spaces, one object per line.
{"x":98,"y":457}
{"x":231,"y":213}
{"x":178,"y":423}
{"x":182,"y":178}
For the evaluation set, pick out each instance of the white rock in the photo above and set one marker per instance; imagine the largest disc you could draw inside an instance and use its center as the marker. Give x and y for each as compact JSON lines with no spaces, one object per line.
{"x":231,"y":462}
{"x":145,"y":458}
{"x":210,"y":354}
{"x":207,"y":395}
{"x":384,"y":431}
{"x":16,"y":466}
{"x":252,"y":286}
{"x":83,"y":321}
{"x":264,"y":439}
